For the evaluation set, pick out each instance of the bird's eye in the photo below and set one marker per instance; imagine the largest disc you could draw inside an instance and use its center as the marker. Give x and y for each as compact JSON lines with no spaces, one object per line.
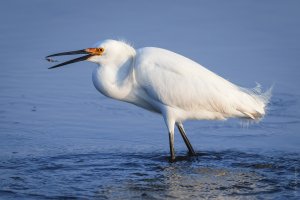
{"x":101,"y":50}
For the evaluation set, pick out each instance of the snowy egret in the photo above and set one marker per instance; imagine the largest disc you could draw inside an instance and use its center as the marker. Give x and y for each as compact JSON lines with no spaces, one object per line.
{"x":167,"y":83}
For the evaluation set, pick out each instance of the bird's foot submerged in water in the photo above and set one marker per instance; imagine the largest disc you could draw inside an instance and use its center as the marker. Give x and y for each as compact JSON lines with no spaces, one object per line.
{"x":189,"y":156}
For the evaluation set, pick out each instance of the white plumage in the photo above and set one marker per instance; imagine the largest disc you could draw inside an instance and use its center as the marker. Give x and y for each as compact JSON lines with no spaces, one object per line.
{"x":171,"y":85}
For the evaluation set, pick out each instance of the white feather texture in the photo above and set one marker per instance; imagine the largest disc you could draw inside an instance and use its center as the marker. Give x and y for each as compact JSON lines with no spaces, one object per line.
{"x":169,"y":84}
{"x":173,"y":85}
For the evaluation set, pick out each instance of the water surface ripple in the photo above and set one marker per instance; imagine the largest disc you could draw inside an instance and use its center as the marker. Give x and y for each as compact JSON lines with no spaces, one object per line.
{"x":61,"y":139}
{"x":229,"y":174}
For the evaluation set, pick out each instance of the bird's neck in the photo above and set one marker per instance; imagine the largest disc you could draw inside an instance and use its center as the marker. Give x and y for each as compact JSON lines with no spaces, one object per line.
{"x":115,"y":81}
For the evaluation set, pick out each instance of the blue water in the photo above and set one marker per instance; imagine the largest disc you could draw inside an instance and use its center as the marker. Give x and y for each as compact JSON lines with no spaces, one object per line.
{"x":60,"y":138}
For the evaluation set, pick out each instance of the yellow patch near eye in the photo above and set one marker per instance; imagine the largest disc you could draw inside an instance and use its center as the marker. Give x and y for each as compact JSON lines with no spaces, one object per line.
{"x":95,"y":51}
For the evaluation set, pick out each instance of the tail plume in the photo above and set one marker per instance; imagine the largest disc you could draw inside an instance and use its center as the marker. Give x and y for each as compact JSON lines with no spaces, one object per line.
{"x":258,"y":102}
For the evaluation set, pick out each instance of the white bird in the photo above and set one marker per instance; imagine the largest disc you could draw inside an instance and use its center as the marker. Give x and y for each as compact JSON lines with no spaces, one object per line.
{"x":167,"y":83}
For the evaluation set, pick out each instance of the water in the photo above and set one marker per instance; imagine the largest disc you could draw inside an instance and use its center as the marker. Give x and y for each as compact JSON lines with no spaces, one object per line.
{"x":150,"y":176}
{"x":59,"y":138}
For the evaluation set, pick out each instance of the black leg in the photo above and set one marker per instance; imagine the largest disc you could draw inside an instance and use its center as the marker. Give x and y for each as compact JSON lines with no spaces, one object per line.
{"x":171,"y":141}
{"x":186,"y":140}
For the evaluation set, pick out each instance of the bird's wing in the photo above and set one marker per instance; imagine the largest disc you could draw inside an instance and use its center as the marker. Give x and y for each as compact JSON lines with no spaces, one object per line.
{"x":179,"y":82}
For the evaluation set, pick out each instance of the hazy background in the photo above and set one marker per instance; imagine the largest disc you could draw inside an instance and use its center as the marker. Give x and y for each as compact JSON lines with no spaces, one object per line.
{"x":58,"y":112}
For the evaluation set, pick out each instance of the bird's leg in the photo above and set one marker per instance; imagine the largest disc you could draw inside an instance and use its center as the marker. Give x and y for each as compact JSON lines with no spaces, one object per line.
{"x":185,"y":138}
{"x":171,"y":141}
{"x":170,"y":125}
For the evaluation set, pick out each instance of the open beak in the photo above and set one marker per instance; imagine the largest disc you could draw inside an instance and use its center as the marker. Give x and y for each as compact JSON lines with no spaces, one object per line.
{"x":89,"y":53}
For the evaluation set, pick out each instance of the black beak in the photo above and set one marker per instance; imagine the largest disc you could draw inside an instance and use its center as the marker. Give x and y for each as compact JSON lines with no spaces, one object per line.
{"x":90,"y":52}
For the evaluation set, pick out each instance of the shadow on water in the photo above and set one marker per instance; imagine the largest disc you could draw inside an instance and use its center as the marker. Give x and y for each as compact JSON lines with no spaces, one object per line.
{"x":151,"y":176}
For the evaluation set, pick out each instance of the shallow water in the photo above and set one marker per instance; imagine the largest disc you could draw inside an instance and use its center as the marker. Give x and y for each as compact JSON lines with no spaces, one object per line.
{"x":149,"y":175}
{"x":59,"y":138}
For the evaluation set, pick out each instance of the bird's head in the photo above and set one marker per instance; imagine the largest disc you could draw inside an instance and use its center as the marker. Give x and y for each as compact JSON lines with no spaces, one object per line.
{"x":111,"y":52}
